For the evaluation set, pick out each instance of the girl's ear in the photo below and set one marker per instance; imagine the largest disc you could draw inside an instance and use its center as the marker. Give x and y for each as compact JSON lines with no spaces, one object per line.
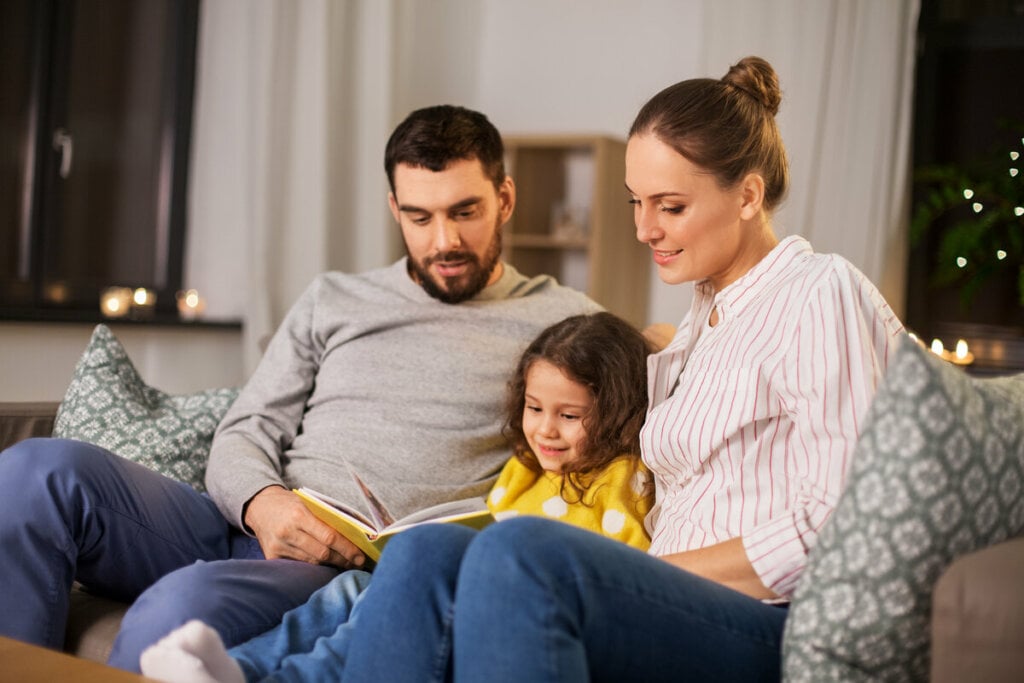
{"x":751,"y":196}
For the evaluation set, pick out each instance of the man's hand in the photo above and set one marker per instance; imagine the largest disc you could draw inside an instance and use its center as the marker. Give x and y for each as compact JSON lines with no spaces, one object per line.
{"x":286,"y":529}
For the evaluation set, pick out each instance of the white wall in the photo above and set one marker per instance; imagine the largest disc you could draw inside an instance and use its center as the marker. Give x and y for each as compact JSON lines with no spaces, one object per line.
{"x":587,"y":67}
{"x":37,"y":360}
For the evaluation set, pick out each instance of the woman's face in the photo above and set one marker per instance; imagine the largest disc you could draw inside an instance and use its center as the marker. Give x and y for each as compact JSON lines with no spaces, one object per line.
{"x":695,"y":229}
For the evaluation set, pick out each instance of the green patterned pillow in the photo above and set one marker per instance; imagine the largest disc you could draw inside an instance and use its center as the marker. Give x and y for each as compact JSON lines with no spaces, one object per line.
{"x":938,"y":473}
{"x":109,"y":405}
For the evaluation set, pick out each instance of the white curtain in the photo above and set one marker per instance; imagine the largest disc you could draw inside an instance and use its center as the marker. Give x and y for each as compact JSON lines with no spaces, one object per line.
{"x":846,"y":69}
{"x":292,"y":110}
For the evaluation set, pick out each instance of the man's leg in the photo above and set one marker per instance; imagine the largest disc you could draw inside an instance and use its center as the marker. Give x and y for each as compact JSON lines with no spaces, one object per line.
{"x":73,"y":510}
{"x":239,"y":598}
{"x":543,"y":601}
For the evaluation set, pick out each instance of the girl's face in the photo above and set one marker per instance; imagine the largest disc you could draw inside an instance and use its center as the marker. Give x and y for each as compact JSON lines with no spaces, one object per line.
{"x":553,"y":415}
{"x":696,"y":229}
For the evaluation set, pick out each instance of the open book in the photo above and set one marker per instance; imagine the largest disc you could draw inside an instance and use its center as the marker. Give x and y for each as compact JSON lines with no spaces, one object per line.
{"x":371,"y":532}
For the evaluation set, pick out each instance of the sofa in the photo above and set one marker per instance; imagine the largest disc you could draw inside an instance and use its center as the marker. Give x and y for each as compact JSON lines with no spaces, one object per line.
{"x":977,"y":622}
{"x":918,"y":574}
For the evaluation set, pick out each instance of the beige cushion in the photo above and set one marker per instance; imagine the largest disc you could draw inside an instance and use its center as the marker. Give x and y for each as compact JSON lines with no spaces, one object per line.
{"x":93,"y":623}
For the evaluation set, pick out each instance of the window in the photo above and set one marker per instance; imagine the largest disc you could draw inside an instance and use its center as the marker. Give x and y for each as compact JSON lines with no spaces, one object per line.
{"x":962,"y":277}
{"x":95,"y":118}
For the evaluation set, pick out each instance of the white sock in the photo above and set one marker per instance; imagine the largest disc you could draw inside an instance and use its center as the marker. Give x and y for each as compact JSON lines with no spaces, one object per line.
{"x":193,"y":653}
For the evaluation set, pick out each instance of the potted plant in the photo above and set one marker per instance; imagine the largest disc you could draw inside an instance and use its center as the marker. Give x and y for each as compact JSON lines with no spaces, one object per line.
{"x":975,"y":212}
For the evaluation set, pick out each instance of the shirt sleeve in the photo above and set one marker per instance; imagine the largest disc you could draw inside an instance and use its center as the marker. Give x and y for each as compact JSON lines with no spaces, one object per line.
{"x":246,"y":453}
{"x":842,"y":344}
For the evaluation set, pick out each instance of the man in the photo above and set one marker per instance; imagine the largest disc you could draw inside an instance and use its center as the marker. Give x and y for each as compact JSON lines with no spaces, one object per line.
{"x":397,"y":374}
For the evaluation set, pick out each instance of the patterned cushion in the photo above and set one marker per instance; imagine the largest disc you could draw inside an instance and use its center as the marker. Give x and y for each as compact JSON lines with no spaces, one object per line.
{"x":938,"y":473}
{"x":109,"y":405}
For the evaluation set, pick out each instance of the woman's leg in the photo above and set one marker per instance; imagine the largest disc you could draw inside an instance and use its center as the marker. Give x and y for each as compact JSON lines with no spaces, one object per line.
{"x":401,"y":627}
{"x":542,"y":601}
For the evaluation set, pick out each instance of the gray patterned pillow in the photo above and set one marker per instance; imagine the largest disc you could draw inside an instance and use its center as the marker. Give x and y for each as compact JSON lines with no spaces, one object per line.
{"x":109,"y":405}
{"x":938,"y":473}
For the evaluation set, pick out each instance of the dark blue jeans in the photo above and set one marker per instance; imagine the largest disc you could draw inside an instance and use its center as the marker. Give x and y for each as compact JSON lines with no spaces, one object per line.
{"x":530,"y":599}
{"x":75,"y":511}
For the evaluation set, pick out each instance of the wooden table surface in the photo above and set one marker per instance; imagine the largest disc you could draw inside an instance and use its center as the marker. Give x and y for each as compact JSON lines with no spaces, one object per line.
{"x":24,"y":663}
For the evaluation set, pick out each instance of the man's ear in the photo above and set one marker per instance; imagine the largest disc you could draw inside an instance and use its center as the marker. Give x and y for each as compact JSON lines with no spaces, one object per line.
{"x":752,"y":196}
{"x":393,"y":205}
{"x":506,"y":199}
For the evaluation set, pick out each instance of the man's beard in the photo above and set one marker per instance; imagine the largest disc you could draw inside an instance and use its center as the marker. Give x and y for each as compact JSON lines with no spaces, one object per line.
{"x":463,"y":287}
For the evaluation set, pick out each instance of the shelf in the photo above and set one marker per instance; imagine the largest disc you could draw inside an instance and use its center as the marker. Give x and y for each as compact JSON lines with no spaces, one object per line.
{"x":89,"y":317}
{"x":573,"y":185}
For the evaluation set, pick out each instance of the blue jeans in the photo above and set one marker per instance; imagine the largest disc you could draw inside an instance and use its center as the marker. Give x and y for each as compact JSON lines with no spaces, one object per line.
{"x":73,"y":511}
{"x":311,"y":641}
{"x":530,"y":599}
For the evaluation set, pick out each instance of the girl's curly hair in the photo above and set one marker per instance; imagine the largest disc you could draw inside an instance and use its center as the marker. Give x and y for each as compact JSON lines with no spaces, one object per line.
{"x":606,"y":355}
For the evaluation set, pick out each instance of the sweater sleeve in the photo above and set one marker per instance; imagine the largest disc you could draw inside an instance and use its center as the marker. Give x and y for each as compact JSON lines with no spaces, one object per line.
{"x":842,"y":344}
{"x":246,"y":455}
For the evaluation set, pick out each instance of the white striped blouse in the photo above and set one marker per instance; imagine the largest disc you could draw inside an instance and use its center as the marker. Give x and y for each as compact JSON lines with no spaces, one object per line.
{"x":752,"y":422}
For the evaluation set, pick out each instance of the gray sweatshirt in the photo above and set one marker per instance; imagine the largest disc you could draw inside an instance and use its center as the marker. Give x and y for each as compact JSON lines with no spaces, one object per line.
{"x":370,"y":372}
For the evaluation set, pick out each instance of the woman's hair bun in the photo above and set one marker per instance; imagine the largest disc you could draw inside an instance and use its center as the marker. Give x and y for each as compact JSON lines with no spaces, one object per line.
{"x":756,"y":77}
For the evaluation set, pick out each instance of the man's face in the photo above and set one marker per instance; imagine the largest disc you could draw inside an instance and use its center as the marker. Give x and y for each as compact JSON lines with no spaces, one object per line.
{"x":451,"y":223}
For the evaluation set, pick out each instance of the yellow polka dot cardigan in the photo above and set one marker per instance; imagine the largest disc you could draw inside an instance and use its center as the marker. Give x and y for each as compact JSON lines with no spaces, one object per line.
{"x":613,"y":504}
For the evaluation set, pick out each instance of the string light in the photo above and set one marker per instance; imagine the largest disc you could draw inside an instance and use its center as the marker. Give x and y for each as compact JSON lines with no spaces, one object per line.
{"x":1014,"y":156}
{"x":1013,"y":173}
{"x":1000,"y":254}
{"x":968,"y":193}
{"x":961,"y":261}
{"x":977,"y":207}
{"x":1018,"y":211}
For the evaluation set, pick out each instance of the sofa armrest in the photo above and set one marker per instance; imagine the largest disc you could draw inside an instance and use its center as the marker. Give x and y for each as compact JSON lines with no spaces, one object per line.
{"x":24,"y":420}
{"x":978,"y":617}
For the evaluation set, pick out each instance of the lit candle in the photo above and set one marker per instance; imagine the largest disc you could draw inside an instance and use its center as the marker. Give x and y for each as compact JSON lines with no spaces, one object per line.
{"x":143,"y":302}
{"x":115,"y":302}
{"x":190,"y":304}
{"x":962,"y":355}
{"x":937,"y":347}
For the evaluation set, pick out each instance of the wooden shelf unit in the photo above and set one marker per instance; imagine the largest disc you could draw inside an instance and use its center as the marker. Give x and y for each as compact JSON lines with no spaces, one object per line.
{"x":573,"y":219}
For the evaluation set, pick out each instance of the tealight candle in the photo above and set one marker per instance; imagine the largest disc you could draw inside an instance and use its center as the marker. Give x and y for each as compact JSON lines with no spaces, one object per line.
{"x":962,"y":355}
{"x":115,"y":302}
{"x":190,"y":304}
{"x":143,"y":302}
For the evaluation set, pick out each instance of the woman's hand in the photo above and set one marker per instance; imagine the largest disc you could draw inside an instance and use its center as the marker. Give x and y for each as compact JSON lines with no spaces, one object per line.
{"x":725,"y":563}
{"x":286,"y":529}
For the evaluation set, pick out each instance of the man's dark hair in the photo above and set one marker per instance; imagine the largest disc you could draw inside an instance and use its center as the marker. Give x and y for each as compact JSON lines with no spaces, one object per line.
{"x":434,"y":137}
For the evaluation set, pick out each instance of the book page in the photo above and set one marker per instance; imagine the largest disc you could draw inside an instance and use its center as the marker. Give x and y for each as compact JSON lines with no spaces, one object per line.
{"x":381,"y":517}
{"x":455,"y":508}
{"x":342,"y":507}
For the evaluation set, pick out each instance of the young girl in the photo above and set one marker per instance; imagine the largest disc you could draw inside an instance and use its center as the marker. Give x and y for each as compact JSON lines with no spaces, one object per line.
{"x":576,"y":404}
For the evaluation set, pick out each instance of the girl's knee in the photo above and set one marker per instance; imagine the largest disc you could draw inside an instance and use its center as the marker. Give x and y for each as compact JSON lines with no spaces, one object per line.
{"x":427,"y":543}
